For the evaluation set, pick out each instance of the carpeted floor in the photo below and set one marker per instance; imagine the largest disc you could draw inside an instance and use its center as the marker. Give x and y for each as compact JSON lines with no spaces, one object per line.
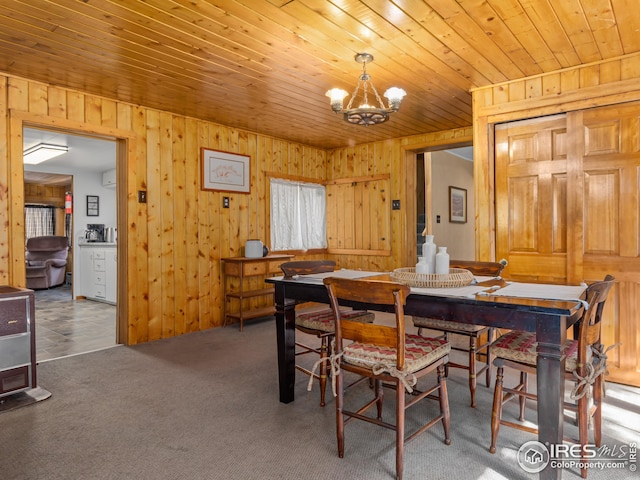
{"x":205,"y":406}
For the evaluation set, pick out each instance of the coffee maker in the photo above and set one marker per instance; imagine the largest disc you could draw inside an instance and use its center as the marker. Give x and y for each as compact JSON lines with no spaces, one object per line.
{"x":94,"y":232}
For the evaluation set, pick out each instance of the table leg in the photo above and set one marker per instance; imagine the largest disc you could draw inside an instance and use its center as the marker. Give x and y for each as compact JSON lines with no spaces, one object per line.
{"x":550,"y":388}
{"x":286,"y":340}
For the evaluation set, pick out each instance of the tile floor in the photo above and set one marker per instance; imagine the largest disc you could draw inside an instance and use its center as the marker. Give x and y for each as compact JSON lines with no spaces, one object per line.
{"x":67,"y":327}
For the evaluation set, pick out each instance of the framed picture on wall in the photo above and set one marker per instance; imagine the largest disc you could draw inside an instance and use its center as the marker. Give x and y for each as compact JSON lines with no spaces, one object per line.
{"x":225,"y":172}
{"x":457,"y":205}
{"x":93,"y":205}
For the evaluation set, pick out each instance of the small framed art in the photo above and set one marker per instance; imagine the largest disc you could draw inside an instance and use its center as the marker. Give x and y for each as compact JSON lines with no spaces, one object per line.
{"x":457,"y":205}
{"x":93,"y":205}
{"x":225,"y":172}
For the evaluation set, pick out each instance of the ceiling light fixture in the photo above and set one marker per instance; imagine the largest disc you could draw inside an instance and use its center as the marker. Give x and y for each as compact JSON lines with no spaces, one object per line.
{"x":42,"y":152}
{"x":365,"y":114}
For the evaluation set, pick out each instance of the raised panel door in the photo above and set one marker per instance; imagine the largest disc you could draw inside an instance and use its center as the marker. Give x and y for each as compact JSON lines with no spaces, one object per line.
{"x":531,"y":172}
{"x":568,"y":210}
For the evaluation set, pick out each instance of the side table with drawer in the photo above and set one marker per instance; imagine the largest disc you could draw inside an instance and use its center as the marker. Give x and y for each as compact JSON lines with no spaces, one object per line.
{"x":17,"y":340}
{"x":242,"y":267}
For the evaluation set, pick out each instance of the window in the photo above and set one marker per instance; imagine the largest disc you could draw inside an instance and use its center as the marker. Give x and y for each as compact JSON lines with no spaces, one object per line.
{"x":39,"y":220}
{"x":298,"y":215}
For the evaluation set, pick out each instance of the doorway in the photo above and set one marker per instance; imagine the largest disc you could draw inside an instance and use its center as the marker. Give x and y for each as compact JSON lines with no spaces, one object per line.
{"x":437,"y":172}
{"x":67,"y":324}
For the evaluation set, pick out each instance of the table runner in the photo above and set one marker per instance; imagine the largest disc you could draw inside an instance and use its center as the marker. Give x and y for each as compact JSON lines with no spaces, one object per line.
{"x":466,"y":291}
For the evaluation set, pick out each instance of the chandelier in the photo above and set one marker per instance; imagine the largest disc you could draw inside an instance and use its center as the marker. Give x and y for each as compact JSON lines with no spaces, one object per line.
{"x":365,"y":114}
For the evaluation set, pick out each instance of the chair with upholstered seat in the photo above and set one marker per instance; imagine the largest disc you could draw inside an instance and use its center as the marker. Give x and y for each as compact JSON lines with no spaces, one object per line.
{"x":386,"y":354}
{"x":319,"y":323}
{"x":474,"y":332}
{"x":46,"y":261}
{"x":585,"y":365}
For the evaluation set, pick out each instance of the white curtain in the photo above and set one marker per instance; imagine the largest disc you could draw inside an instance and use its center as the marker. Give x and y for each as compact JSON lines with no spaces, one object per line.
{"x":39,"y":220}
{"x":298,"y":215}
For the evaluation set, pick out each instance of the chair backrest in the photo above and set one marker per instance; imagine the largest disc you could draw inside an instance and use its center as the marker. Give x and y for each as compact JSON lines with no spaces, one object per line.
{"x":305,"y":267}
{"x":590,"y":324}
{"x":369,"y":292}
{"x":47,"y":247}
{"x":492,"y":269}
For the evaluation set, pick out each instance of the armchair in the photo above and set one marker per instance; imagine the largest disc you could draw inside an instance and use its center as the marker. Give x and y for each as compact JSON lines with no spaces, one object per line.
{"x":46,"y":259}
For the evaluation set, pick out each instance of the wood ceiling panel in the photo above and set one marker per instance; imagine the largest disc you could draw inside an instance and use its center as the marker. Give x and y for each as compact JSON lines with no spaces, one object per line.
{"x":266,"y":65}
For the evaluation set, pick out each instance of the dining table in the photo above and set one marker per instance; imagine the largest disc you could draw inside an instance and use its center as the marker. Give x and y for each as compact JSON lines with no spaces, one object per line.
{"x":546,"y":310}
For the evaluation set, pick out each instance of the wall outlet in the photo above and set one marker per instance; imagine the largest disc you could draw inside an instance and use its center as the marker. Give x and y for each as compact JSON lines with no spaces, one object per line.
{"x":395,"y":204}
{"x":225,"y":202}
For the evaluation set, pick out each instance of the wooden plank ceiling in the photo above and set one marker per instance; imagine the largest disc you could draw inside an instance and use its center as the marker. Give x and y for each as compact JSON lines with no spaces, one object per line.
{"x":265,"y":65}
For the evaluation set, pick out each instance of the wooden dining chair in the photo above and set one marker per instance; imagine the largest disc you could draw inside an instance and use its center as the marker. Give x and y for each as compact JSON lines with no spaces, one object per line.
{"x":384,"y":354}
{"x":319,"y":323}
{"x":480,"y":336}
{"x":585,"y":366}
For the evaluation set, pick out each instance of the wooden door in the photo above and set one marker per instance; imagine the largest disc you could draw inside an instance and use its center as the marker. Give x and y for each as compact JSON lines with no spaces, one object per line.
{"x":568,"y":210}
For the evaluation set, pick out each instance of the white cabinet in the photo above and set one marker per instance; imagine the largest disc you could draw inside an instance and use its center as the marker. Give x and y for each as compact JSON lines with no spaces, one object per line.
{"x":98,"y":272}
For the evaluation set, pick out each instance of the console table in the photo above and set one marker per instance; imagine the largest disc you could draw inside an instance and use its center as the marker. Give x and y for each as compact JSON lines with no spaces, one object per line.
{"x":242,"y":267}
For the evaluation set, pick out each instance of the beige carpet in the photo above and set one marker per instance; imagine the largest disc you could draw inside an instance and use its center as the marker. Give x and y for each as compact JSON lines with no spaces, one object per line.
{"x":205,"y":406}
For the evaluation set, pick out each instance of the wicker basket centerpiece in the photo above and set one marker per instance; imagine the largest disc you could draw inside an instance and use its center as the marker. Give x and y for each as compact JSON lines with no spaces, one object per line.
{"x":457,"y":277}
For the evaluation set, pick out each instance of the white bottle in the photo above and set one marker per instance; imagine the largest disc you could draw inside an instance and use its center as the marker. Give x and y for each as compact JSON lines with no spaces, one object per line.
{"x":442,"y":261}
{"x":422,"y":266}
{"x":429,"y":252}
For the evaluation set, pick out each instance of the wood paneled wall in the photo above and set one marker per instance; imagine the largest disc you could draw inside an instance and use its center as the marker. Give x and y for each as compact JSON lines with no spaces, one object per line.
{"x":48,"y":195}
{"x":171,"y":280}
{"x":173,"y":244}
{"x":397,"y":158}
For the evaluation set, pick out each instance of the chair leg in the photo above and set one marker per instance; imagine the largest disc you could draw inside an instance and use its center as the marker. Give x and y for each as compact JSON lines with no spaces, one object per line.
{"x":496,"y":412}
{"x":379,"y":392}
{"x":339,"y":414}
{"x":445,"y":337}
{"x":523,"y":388}
{"x":324,"y":353}
{"x":598,"y":389}
{"x":583,"y":432}
{"x":443,"y":397}
{"x":400,"y":411}
{"x":490,"y":338}
{"x":472,"y":369}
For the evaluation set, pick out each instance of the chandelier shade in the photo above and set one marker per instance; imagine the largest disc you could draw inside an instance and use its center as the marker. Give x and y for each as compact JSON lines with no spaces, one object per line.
{"x":365,"y":114}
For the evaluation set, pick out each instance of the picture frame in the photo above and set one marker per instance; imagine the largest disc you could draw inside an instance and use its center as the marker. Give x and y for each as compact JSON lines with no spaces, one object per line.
{"x":225,"y":171}
{"x":93,"y":206}
{"x":457,"y":205}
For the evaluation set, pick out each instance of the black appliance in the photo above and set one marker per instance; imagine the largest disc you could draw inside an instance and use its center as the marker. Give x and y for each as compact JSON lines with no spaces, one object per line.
{"x":95,"y":232}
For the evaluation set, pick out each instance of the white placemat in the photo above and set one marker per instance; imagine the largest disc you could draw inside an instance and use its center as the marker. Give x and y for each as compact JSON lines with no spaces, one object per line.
{"x":542,"y":291}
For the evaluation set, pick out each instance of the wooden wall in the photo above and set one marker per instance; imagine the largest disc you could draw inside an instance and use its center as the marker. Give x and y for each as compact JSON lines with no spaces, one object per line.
{"x":48,"y":195}
{"x":173,"y":244}
{"x":397,"y":159}
{"x":171,"y":283}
